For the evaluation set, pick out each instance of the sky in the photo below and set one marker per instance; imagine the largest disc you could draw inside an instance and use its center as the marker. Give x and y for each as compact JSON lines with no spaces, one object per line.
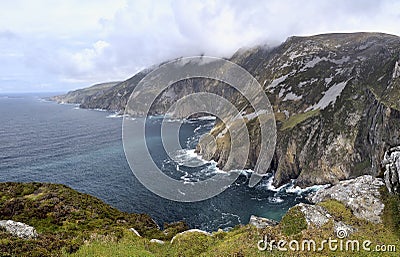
{"x":56,"y":46}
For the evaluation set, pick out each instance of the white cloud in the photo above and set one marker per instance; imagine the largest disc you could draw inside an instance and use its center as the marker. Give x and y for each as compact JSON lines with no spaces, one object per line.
{"x":85,"y":60}
{"x":94,"y":41}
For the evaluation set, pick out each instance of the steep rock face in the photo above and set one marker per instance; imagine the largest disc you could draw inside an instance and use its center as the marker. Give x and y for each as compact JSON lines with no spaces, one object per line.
{"x":335,"y":99}
{"x":260,"y":222}
{"x":361,"y":195}
{"x":82,"y":96}
{"x":391,"y":162}
{"x":115,"y":98}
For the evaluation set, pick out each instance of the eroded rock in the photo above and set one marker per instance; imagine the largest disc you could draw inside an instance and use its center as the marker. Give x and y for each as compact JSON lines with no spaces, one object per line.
{"x":342,"y":230}
{"x":19,"y":229}
{"x":391,"y":161}
{"x":190,"y":231}
{"x":315,"y":215}
{"x":260,"y":222}
{"x":135,"y":232}
{"x":361,"y":195}
{"x":157,"y":241}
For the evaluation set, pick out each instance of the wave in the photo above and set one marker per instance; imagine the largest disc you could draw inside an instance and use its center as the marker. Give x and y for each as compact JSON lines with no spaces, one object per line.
{"x":116,"y":116}
{"x":100,"y":110}
{"x":66,"y":103}
{"x":193,"y":167}
{"x":290,"y":187}
{"x":44,"y":100}
{"x":269,"y":185}
{"x":275,"y":199}
{"x":298,"y":190}
{"x":206,"y":118}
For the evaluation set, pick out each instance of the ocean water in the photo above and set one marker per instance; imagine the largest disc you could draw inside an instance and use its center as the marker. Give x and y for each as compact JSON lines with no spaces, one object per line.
{"x":48,"y":142}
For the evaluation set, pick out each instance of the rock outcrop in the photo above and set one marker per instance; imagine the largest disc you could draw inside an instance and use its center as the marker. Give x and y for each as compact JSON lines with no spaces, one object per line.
{"x":134,"y":231}
{"x":199,"y":231}
{"x":157,"y":241}
{"x":361,"y":195}
{"x":335,"y":99}
{"x":260,"y":222}
{"x":19,"y":229}
{"x":81,"y":96}
{"x":315,"y":215}
{"x":391,"y":162}
{"x":396,"y":71}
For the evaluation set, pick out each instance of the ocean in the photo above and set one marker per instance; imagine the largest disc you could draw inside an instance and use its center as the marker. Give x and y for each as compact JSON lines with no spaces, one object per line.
{"x":49,"y":142}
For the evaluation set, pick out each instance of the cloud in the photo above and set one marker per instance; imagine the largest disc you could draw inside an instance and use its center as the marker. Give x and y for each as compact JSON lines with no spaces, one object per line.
{"x":109,"y":40}
{"x":7,"y":35}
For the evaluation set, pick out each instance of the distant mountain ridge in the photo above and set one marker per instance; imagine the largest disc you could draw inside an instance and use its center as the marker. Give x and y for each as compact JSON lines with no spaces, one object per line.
{"x":335,"y":98}
{"x":81,"y":96}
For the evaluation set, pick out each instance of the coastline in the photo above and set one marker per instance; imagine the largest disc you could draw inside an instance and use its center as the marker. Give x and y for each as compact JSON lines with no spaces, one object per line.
{"x":91,"y":227}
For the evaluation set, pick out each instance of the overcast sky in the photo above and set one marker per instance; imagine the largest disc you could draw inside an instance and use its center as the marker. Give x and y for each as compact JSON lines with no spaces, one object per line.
{"x":50,"y":45}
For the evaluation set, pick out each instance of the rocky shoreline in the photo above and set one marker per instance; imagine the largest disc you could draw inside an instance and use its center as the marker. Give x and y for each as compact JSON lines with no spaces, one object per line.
{"x":334,"y":97}
{"x":354,"y":207}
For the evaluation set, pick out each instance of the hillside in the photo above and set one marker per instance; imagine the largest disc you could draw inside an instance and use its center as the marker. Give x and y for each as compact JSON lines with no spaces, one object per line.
{"x":69,"y":223}
{"x":335,"y":98}
{"x":80,"y":96}
{"x":64,"y":219}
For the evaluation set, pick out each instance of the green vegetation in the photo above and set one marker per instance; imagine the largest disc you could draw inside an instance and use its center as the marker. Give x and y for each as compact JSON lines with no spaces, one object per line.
{"x":391,"y":212}
{"x":238,"y":242}
{"x":74,"y":224}
{"x":242,"y":241}
{"x":297,"y":119}
{"x":293,"y":222}
{"x":65,"y":219}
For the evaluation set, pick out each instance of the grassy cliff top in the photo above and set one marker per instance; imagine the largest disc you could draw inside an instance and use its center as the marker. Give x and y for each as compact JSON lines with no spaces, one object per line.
{"x":72,"y":223}
{"x":65,"y":219}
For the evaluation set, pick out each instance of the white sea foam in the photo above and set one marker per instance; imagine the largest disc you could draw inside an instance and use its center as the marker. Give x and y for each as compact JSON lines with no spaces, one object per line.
{"x":100,"y":110}
{"x":298,"y":190}
{"x":197,"y":129}
{"x":275,"y":199}
{"x":114,"y":115}
{"x":227,"y":214}
{"x":291,"y":188}
{"x":188,"y":157}
{"x":207,"y":118}
{"x":43,"y":100}
{"x":269,"y":185}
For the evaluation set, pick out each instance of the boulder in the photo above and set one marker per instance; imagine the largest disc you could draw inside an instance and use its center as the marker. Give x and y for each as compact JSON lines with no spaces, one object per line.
{"x":135,"y":232}
{"x":315,"y":215}
{"x":157,"y":241}
{"x":342,"y":230}
{"x":361,"y":195}
{"x":391,"y":162}
{"x":190,"y":231}
{"x":260,"y":222}
{"x":19,"y":229}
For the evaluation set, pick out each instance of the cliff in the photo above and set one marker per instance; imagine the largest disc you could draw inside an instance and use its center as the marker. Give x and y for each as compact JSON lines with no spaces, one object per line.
{"x":54,"y":220}
{"x":63,"y":219}
{"x":335,"y":99}
{"x":81,"y":96}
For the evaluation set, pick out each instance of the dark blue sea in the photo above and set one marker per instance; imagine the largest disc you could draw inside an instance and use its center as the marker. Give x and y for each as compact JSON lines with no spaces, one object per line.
{"x":49,"y":142}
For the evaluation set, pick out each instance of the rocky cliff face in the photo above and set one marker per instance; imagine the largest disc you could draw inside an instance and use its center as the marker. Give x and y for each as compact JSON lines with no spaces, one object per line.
{"x":335,"y":99}
{"x":82,"y":96}
{"x":391,"y":162}
{"x":336,"y":103}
